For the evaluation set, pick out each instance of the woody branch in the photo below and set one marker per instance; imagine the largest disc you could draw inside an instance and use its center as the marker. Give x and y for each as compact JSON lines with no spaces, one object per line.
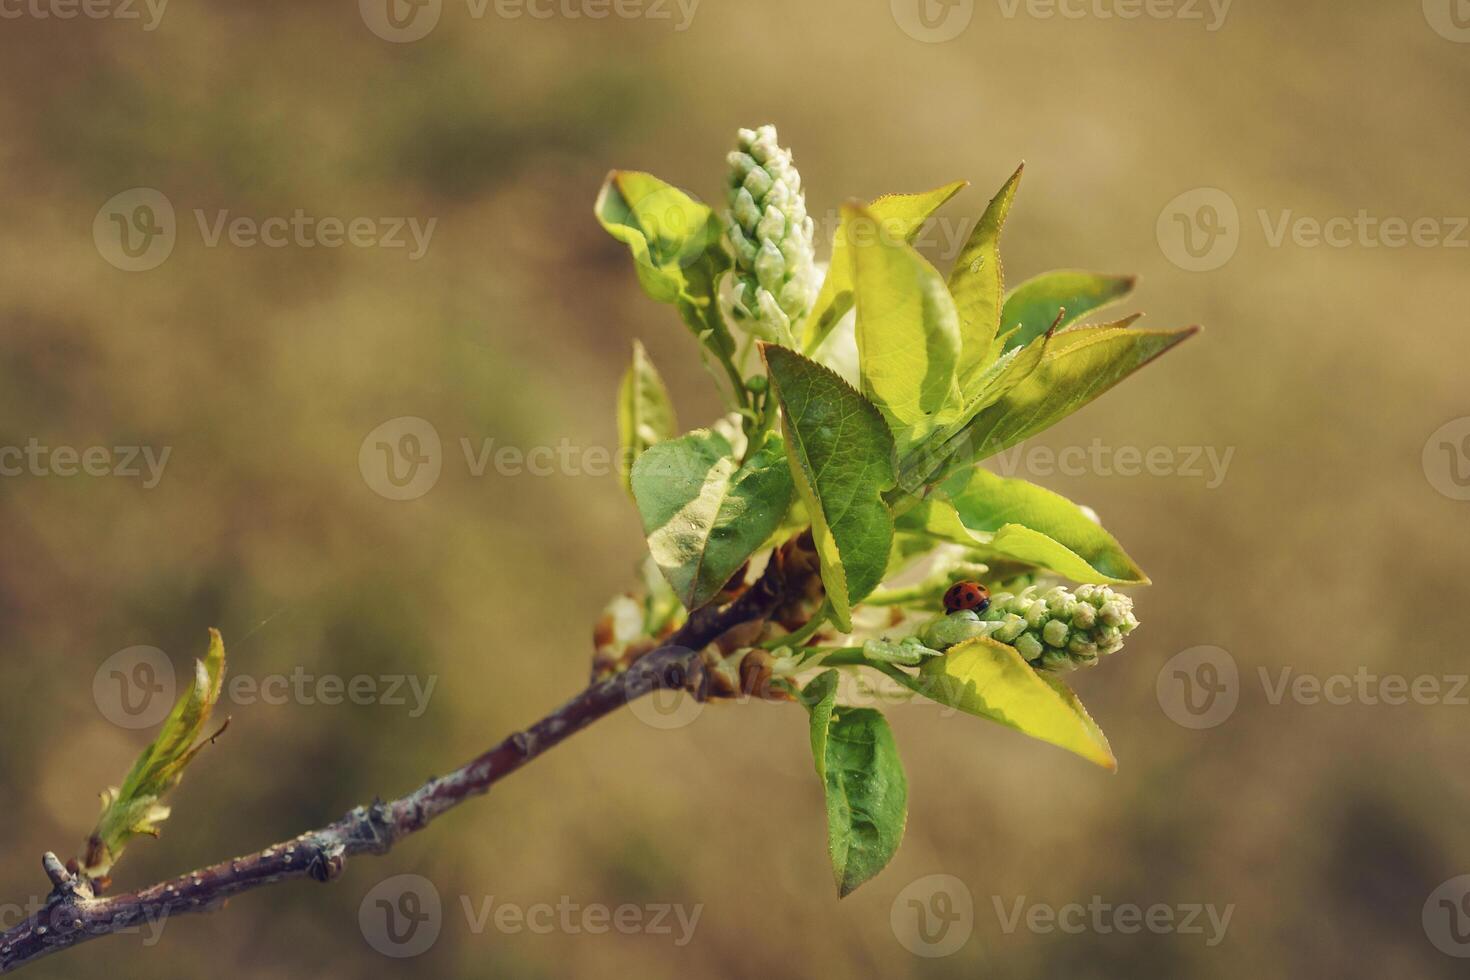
{"x":74,"y":913}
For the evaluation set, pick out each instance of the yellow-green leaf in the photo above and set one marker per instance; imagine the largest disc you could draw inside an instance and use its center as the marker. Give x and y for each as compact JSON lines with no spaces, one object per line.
{"x":1034,"y":306}
{"x":978,"y":283}
{"x":136,"y":807}
{"x":705,"y":512}
{"x":677,"y":253}
{"x":901,"y":217}
{"x":908,"y":336}
{"x":989,"y":679}
{"x":645,"y":413}
{"x":1017,"y":519}
{"x":1064,"y":381}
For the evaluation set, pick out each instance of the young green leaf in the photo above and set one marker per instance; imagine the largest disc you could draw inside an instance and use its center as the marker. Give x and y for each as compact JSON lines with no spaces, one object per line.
{"x":1015,"y":543}
{"x":645,"y":413}
{"x":978,"y":282}
{"x":704,"y":512}
{"x":901,"y":217}
{"x":989,"y":679}
{"x":1020,"y":520}
{"x":1074,"y":371}
{"x":863,"y":780}
{"x":677,"y":253}
{"x":983,"y":390}
{"x":1074,"y":703}
{"x":136,"y":808}
{"x":908,"y":335}
{"x":1034,"y":306}
{"x":841,"y":455}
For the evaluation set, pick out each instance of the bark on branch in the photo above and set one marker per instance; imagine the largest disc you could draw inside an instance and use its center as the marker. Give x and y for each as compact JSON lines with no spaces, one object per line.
{"x":73,"y":914}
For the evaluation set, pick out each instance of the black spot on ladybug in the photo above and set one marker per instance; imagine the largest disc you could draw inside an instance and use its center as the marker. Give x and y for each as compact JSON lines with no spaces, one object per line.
{"x":967,"y":595}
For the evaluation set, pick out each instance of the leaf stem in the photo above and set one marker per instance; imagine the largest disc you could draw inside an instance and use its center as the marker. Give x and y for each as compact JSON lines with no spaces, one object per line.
{"x":810,"y":629}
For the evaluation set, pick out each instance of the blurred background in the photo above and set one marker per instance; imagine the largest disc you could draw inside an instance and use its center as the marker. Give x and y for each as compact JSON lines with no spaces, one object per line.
{"x":149,"y":306}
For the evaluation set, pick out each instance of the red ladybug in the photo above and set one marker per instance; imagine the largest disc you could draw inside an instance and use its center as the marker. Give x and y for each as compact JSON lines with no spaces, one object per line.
{"x":967,"y":595}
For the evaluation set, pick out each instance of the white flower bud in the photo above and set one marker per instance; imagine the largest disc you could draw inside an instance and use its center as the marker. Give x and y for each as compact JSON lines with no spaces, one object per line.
{"x":770,"y":235}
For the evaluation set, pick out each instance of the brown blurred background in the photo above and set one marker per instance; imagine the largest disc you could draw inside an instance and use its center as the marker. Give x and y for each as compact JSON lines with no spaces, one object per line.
{"x":1333,"y":545}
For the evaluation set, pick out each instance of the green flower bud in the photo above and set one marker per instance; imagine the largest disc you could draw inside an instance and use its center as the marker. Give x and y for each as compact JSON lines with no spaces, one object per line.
{"x":946,"y":631}
{"x":1055,"y":633}
{"x":1060,"y":629}
{"x":1028,"y":646}
{"x":1010,"y":628}
{"x":771,"y":236}
{"x":908,"y":652}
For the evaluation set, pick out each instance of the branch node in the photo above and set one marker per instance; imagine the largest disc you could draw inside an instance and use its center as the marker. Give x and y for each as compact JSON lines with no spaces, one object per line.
{"x":67,"y":886}
{"x":56,"y":871}
{"x":327,"y":861}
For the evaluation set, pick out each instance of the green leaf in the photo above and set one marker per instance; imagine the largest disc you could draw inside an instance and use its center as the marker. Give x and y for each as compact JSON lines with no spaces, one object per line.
{"x":989,"y":679}
{"x":645,"y":413}
{"x":1074,"y":704}
{"x":704,"y":512}
{"x":1017,"y":519}
{"x":841,"y":455}
{"x":677,"y":253}
{"x":978,"y":282}
{"x":908,"y":335}
{"x":136,"y":808}
{"x":1034,"y":305}
{"x":900,"y":216}
{"x":863,"y":780}
{"x":985,"y":389}
{"x":1073,"y":372}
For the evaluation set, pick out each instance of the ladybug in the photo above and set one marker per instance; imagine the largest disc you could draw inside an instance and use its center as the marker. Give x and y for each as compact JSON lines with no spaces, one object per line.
{"x":967,"y":595}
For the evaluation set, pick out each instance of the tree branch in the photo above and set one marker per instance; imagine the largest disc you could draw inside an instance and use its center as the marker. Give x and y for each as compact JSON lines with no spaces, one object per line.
{"x":74,"y":914}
